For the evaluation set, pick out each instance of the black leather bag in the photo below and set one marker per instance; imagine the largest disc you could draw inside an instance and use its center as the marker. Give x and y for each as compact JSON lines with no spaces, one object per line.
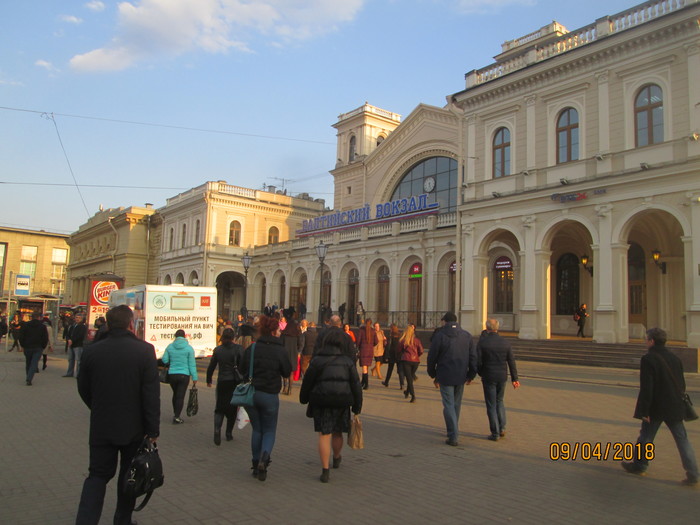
{"x":145,"y":473}
{"x":690,"y":414}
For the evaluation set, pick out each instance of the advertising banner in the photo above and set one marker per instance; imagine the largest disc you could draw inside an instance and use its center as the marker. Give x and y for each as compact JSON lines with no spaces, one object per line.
{"x":98,"y":303}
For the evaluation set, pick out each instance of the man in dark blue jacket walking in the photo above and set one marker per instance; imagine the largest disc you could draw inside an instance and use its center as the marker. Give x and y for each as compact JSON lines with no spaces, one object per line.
{"x":495,"y":358}
{"x":452,"y":363}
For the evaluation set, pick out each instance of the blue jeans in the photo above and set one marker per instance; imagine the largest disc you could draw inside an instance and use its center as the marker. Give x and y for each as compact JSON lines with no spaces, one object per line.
{"x":31,"y":358}
{"x":263,"y":419}
{"x":74,"y":355}
{"x":451,"y":405}
{"x":495,"y":409}
{"x":685,"y":449}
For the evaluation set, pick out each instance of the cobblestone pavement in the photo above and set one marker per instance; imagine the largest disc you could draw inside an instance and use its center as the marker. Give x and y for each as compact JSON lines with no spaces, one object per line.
{"x":405,"y":474}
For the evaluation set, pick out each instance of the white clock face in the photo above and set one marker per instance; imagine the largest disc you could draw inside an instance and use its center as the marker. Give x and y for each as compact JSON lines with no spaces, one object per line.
{"x":429,"y":184}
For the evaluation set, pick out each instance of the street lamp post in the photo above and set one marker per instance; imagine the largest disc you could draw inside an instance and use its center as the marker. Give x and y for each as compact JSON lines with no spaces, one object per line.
{"x":321,"y":250}
{"x":246,"y":265}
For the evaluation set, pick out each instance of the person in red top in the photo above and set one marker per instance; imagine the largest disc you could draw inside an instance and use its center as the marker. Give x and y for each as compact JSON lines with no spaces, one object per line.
{"x":410,"y":350}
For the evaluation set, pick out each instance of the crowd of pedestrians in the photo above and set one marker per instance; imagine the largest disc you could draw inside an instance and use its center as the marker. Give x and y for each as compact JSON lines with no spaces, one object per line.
{"x":272,"y":351}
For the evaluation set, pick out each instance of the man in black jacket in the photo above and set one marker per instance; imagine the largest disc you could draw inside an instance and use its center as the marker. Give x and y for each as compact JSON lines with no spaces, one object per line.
{"x":33,"y":337}
{"x":495,"y":357}
{"x":118,"y":381}
{"x":661,"y":387}
{"x":451,"y":363}
{"x":76,"y":339}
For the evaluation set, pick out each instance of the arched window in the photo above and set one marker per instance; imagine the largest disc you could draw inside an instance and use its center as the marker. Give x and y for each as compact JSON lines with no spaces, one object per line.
{"x":183,"y":239}
{"x":273,"y":235}
{"x":196,"y":233}
{"x":380,"y":139}
{"x":180,"y":279}
{"x":234,"y":234}
{"x":567,"y":284}
{"x":503,"y":285}
{"x":167,"y":281}
{"x":501,"y":152}
{"x":171,"y":241}
{"x":567,"y":136}
{"x":352,"y":150}
{"x":649,"y":116}
{"x":435,"y":176}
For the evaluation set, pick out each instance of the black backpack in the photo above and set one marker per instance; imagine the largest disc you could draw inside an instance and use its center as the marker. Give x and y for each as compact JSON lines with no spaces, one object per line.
{"x":145,"y":473}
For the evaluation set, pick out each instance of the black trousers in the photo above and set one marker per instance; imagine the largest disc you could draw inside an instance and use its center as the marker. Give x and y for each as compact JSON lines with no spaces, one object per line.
{"x":103,"y":466}
{"x":409,"y":370}
{"x":178,"y":382}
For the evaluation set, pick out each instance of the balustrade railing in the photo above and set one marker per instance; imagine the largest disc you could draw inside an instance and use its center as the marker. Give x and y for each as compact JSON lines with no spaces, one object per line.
{"x":623,"y":21}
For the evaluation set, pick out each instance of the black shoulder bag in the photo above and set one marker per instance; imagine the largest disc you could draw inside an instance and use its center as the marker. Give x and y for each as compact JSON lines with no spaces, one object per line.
{"x":145,"y":473}
{"x":689,"y":413}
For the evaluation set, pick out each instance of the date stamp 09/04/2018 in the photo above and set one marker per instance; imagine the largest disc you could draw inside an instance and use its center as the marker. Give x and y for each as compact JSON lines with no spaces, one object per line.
{"x":586,"y":451}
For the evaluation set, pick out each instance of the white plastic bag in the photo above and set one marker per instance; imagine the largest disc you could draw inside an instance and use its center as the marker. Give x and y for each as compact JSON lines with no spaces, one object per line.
{"x":242,"y":418}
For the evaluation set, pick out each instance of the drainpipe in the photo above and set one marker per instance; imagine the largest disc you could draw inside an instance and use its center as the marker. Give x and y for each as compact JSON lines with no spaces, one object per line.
{"x":116,"y":241}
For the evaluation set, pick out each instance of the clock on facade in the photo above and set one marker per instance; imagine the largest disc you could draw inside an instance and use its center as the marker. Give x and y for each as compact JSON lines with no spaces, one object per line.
{"x":429,"y":184}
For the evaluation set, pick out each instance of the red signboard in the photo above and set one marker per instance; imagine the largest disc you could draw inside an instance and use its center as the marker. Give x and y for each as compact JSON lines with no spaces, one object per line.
{"x":97,"y":305}
{"x":416,"y":271}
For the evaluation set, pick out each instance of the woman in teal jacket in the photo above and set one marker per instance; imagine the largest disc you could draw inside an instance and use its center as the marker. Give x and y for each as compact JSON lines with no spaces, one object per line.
{"x":179,"y":356}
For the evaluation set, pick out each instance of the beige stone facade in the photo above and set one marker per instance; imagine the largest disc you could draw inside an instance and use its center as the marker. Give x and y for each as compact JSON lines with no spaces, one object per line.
{"x":574,"y":143}
{"x":208,"y":229}
{"x":121,"y":241}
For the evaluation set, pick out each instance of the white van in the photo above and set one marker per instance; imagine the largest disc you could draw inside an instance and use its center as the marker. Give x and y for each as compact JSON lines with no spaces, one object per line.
{"x":159,"y":311}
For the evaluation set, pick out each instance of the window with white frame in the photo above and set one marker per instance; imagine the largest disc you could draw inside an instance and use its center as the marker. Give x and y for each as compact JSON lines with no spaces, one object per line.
{"x":649,"y":116}
{"x":501,"y":152}
{"x":27,"y":263}
{"x":567,"y":136}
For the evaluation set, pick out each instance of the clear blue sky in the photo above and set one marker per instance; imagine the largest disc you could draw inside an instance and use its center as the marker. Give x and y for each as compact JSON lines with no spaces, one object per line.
{"x":158,"y":95}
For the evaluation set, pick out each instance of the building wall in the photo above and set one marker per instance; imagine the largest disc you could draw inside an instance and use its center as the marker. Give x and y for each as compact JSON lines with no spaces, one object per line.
{"x":123,"y":242}
{"x":46,"y":280}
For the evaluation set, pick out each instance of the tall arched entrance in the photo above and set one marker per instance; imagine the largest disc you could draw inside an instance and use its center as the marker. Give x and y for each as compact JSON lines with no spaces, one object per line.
{"x":230,"y":287}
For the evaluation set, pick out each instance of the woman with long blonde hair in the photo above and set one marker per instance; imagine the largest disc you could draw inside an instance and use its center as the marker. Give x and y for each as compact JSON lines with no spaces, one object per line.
{"x":410,"y":349}
{"x":379,"y":350}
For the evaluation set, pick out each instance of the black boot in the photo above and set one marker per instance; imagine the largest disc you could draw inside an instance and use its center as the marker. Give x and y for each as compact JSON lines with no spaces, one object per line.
{"x":218,"y":421}
{"x":230,"y":421}
{"x":365,"y":381}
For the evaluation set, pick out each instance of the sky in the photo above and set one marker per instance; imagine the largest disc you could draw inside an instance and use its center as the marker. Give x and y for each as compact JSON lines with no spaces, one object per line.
{"x":108,"y":103}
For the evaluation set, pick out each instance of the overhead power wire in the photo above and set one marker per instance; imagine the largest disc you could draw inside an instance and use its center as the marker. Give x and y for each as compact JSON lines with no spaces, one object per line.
{"x":170,"y":126}
{"x":94,"y":185}
{"x":50,"y":116}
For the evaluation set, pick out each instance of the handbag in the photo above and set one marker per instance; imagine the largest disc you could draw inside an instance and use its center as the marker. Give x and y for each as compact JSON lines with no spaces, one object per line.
{"x":145,"y":473}
{"x":689,"y":413}
{"x":244,"y":393}
{"x":355,"y":437}
{"x":192,"y":402}
{"x":163,"y":374}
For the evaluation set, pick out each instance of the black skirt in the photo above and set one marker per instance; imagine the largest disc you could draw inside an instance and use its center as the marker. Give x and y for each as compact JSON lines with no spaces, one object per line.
{"x":331,"y":420}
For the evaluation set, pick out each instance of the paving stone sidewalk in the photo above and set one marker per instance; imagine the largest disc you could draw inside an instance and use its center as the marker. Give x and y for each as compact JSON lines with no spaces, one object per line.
{"x":405,"y":474}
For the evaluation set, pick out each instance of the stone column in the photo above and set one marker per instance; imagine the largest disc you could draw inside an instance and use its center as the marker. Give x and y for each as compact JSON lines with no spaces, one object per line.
{"x":691,"y":256}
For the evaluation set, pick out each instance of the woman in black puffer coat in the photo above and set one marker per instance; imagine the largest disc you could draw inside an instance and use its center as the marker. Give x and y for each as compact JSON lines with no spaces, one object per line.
{"x":332,"y":388}
{"x":227,"y":357}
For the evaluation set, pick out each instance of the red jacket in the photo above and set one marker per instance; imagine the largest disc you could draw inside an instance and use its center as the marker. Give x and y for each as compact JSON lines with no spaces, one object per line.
{"x":411,"y":353}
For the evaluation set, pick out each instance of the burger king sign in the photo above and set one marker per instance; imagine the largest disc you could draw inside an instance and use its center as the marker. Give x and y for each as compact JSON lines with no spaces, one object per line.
{"x":99,"y":297}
